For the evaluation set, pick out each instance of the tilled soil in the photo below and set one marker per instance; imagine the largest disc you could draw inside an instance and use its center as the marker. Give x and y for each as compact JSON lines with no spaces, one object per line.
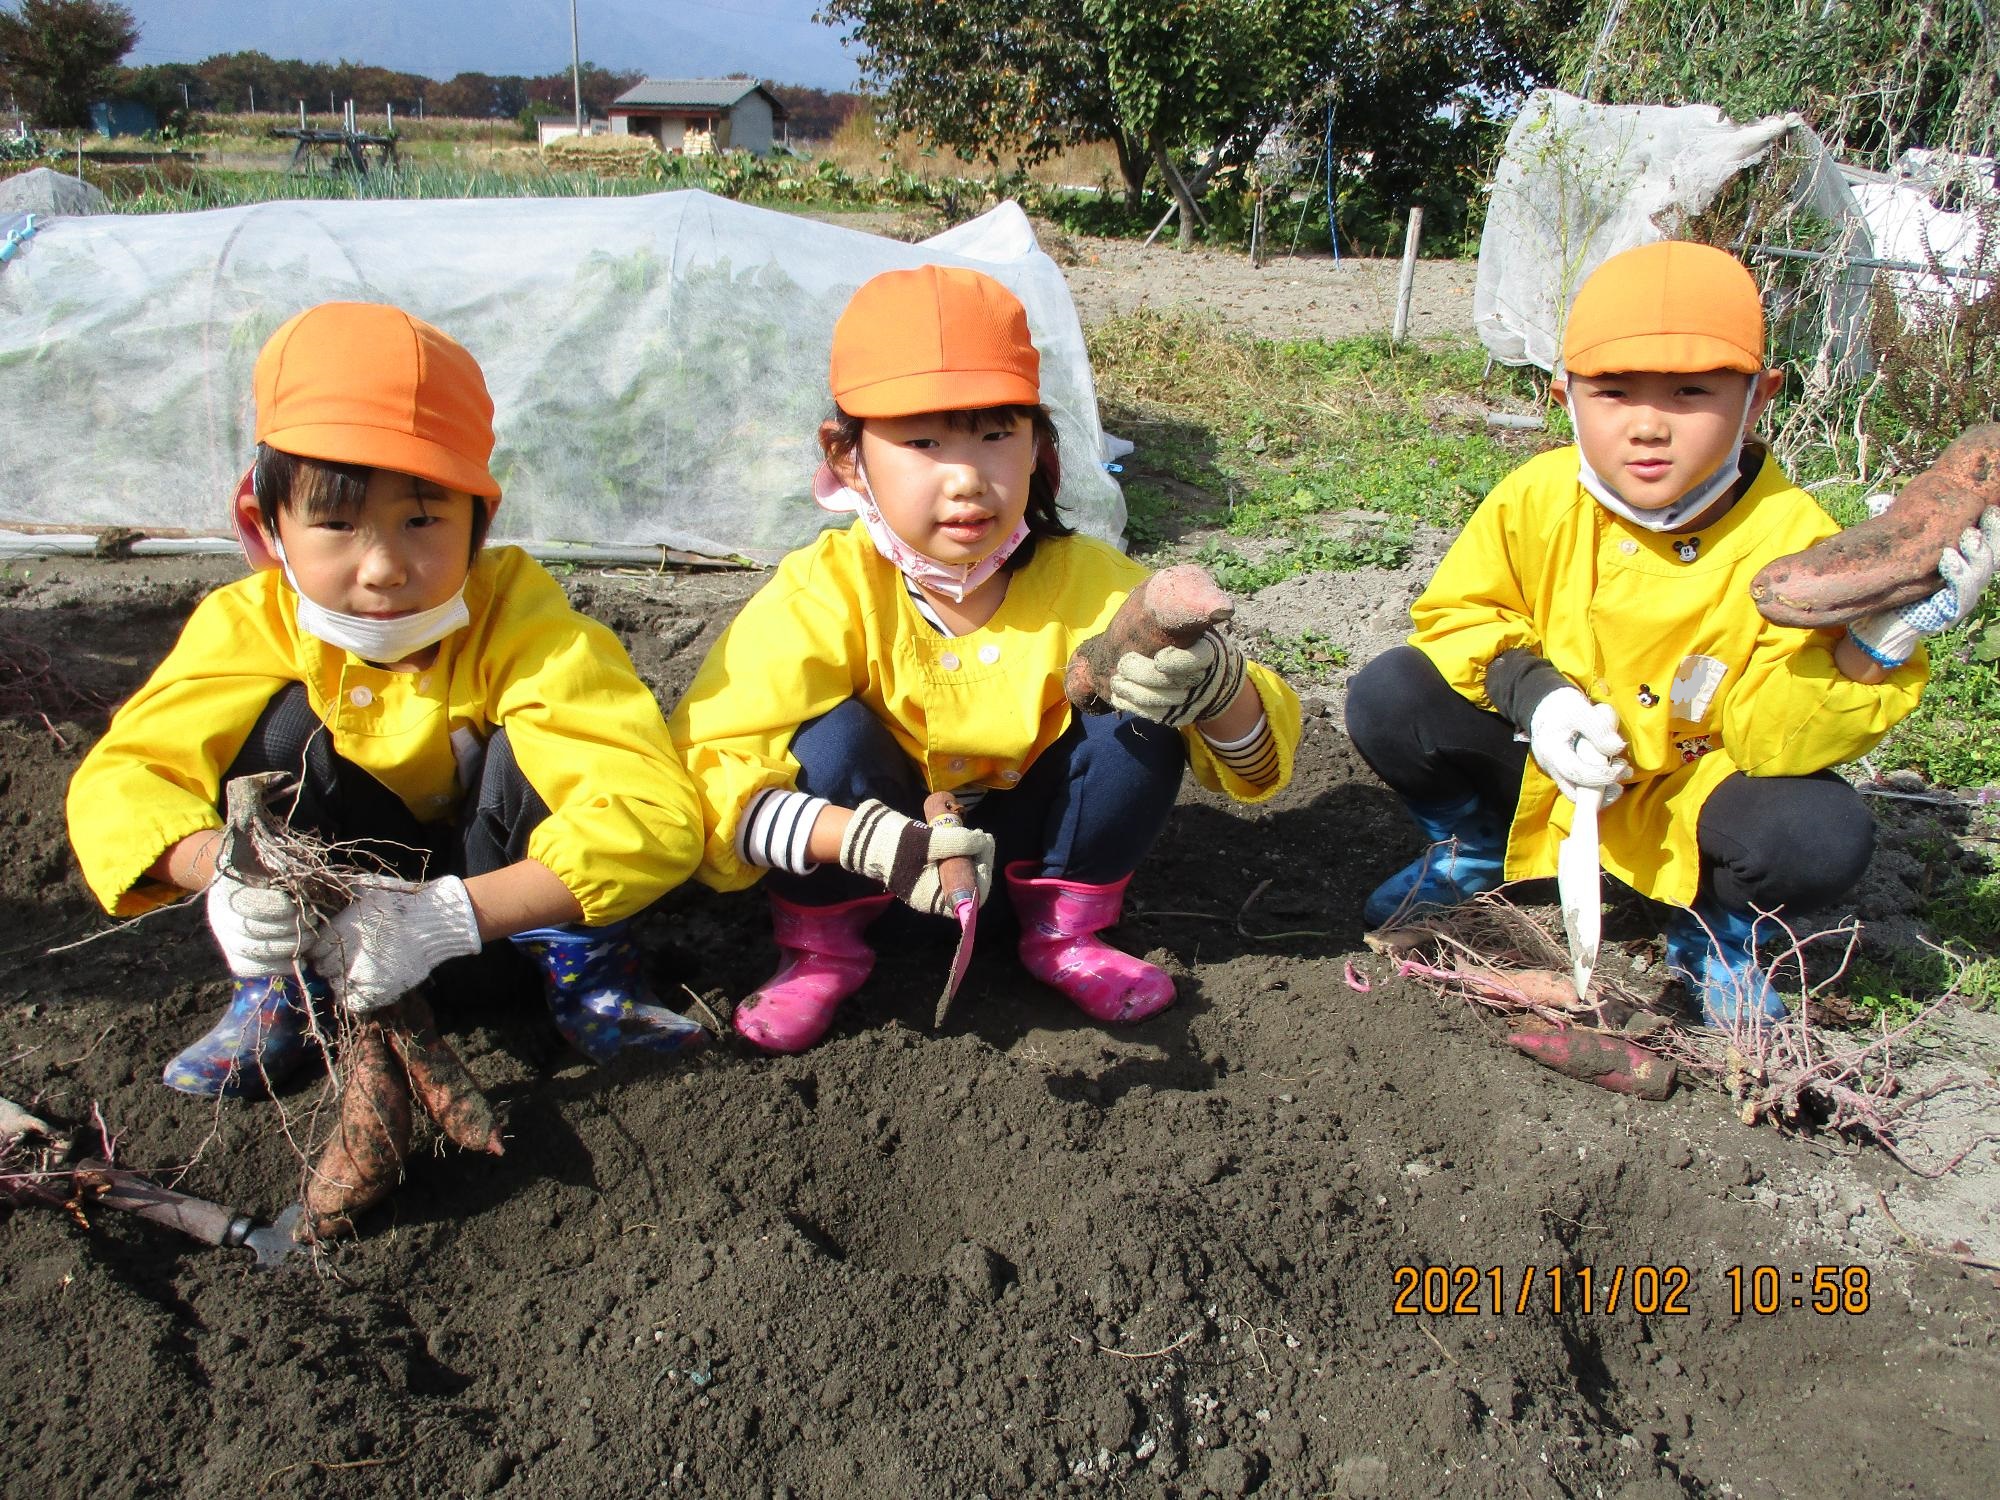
{"x":1020,"y":1255}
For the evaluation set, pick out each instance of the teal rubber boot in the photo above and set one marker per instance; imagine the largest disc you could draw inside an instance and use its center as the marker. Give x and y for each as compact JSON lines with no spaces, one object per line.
{"x":1466,"y":856}
{"x":1712,"y":949}
{"x":257,"y":1044}
{"x":597,"y":992}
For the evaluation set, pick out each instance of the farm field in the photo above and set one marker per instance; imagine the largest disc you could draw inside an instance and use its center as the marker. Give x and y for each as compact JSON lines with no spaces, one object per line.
{"x":1022,"y":1255}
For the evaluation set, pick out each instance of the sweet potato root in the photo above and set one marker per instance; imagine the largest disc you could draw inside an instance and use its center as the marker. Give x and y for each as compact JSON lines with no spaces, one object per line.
{"x":1592,"y":1057}
{"x":1890,"y":559}
{"x":363,"y":1159}
{"x":440,"y":1080}
{"x":1170,"y":608}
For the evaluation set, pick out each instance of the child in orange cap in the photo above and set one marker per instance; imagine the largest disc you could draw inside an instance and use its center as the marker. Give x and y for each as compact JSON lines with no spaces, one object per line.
{"x":922,"y":648}
{"x":434,"y":700}
{"x":1591,"y":635}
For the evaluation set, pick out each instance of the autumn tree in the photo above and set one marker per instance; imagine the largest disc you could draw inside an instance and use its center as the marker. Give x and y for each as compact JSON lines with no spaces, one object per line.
{"x":58,"y":56}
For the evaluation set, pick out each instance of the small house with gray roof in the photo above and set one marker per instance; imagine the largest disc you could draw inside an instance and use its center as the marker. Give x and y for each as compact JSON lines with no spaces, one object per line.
{"x":694,"y":116}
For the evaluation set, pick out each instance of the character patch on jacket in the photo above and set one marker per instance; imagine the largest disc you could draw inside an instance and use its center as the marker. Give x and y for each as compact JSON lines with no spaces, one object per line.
{"x":1687,"y":548}
{"x":1694,"y":747}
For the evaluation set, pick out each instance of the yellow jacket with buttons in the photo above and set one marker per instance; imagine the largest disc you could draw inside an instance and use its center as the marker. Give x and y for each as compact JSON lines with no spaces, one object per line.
{"x":1703,"y":684}
{"x":835,"y":623}
{"x":624,"y":825}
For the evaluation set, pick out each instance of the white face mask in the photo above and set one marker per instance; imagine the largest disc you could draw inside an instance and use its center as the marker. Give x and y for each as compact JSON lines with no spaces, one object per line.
{"x":371,"y":639}
{"x":952,"y":581}
{"x":1683,"y":510}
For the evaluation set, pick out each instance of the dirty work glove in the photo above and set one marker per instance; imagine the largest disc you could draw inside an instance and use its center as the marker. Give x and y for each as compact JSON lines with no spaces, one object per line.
{"x":386,"y":941}
{"x":1179,"y":685}
{"x":259,"y":930}
{"x":1577,"y":744}
{"x":1891,"y":637}
{"x":903,"y":855}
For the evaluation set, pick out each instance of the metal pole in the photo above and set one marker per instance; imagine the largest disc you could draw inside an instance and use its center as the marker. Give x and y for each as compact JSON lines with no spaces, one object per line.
{"x":1407,"y":281}
{"x":575,"y":67}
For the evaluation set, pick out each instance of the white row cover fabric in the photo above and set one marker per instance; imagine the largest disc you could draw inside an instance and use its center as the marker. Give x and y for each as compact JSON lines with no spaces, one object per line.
{"x":1578,"y":182}
{"x":658,"y":364}
{"x":1907,"y":225}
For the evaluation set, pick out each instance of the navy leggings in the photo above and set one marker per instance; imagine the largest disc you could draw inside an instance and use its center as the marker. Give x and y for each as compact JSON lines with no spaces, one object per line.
{"x":1765,"y":841}
{"x":338,"y":801}
{"x":1087,"y":810}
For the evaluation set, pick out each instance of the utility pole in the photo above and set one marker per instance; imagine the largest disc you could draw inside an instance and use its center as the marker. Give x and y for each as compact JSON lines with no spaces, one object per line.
{"x":575,"y":67}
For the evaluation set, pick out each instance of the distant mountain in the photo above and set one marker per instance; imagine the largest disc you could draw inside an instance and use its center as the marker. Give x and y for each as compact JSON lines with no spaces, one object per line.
{"x":772,"y":39}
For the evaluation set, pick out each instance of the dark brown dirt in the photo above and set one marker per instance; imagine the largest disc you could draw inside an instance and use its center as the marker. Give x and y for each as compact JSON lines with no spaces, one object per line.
{"x":1023,"y":1256}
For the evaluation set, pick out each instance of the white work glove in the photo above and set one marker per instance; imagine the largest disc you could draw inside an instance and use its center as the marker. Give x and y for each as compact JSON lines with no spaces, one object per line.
{"x":258,"y":929}
{"x":1577,"y":744}
{"x":1179,"y":685}
{"x":386,"y":941}
{"x":903,"y":855}
{"x":1967,"y":569}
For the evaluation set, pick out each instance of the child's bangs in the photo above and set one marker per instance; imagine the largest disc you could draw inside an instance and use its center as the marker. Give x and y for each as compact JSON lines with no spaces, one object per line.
{"x":984,"y":418}
{"x":312,"y":489}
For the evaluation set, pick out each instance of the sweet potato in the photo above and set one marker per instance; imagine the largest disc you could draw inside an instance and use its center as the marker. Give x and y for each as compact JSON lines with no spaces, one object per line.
{"x":1170,"y":608}
{"x":442,"y":1083}
{"x":363,"y":1159}
{"x":1890,"y":559}
{"x":1592,"y":1057}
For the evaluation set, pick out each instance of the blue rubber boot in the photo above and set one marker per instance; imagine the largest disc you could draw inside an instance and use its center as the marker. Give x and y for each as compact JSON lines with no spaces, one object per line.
{"x":260,"y":1041}
{"x":597,"y":992}
{"x":1712,"y":950}
{"x":1467,"y":855}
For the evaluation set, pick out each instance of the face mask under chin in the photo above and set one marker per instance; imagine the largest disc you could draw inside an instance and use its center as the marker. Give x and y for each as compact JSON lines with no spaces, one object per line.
{"x":372,"y":639}
{"x":1690,"y":505}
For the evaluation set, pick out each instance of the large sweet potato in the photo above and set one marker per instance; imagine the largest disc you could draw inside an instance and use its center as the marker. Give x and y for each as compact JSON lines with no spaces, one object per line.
{"x":1890,"y":559}
{"x":363,"y":1159}
{"x":1170,"y":608}
{"x":444,"y":1086}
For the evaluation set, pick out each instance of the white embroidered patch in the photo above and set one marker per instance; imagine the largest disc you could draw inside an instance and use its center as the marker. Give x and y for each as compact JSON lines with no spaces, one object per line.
{"x":1694,"y":687}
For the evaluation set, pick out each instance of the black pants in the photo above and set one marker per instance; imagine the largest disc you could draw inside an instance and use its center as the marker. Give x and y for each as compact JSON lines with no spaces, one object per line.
{"x":338,"y":801}
{"x":1765,"y":841}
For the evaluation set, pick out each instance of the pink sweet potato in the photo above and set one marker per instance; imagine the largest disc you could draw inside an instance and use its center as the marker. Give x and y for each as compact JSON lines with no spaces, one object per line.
{"x":363,"y":1159}
{"x":1170,"y":608}
{"x":1890,"y":559}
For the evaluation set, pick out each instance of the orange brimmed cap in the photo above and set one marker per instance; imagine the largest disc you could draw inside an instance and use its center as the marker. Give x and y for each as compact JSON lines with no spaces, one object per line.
{"x":362,"y":383}
{"x":1675,"y":307}
{"x":936,"y":338}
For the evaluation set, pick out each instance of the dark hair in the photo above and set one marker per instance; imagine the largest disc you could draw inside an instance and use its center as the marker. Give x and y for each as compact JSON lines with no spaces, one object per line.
{"x":1044,"y":516}
{"x":317,"y":489}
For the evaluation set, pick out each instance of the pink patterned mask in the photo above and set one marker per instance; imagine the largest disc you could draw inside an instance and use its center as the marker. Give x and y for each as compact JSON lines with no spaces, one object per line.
{"x":952,"y":581}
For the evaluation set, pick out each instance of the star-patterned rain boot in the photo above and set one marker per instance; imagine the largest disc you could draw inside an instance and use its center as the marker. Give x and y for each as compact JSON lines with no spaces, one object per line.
{"x":258,"y":1043}
{"x":597,"y":992}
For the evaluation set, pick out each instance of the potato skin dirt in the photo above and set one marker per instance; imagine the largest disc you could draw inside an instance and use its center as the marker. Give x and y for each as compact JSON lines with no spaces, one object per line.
{"x":363,"y":1158}
{"x":893,"y":1265}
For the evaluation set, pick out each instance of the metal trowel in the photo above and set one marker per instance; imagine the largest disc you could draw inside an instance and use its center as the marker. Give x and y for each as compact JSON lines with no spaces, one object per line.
{"x":961,"y":883}
{"x":1578,"y":886}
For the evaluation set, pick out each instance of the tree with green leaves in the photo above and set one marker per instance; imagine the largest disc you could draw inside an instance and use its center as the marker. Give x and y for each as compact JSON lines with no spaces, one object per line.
{"x":1183,"y":89}
{"x":59,"y":56}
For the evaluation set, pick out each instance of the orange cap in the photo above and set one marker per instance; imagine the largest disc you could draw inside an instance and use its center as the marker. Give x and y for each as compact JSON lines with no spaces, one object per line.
{"x":1675,"y":307}
{"x":937,"y":338}
{"x":361,"y":383}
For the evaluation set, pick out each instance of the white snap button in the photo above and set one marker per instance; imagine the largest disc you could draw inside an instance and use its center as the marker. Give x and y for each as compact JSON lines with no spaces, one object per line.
{"x":424,"y":683}
{"x":361,"y":697}
{"x":1628,"y":546}
{"x":1010,"y":775}
{"x":989,"y":654}
{"x":958,"y":762}
{"x":949,"y":661}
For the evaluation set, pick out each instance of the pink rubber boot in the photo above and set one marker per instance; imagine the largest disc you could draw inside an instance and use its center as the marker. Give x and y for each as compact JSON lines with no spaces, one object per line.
{"x":825,"y":959}
{"x":1060,"y":920}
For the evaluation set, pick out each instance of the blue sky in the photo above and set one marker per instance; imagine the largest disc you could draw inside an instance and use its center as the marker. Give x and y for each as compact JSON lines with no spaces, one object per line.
{"x":773,"y":39}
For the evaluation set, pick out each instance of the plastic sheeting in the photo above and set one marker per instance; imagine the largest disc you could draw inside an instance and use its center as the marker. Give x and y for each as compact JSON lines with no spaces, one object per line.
{"x":658,"y":364}
{"x":1908,"y":222}
{"x":1578,"y":182}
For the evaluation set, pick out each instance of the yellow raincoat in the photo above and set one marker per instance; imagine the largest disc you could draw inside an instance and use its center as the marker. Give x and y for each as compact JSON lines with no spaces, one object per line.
{"x":623,"y":827}
{"x":1703,"y":684}
{"x":835,"y":623}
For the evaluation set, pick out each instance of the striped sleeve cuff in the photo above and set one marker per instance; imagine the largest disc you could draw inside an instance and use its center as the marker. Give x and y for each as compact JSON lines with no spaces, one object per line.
{"x":1253,"y":758}
{"x":776,"y":828}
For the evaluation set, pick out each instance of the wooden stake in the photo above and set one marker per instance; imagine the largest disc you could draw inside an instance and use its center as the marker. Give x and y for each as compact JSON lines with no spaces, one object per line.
{"x":1407,"y":280}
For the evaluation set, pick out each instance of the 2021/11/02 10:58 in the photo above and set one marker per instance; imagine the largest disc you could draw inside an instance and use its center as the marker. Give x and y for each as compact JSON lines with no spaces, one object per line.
{"x":1646,"y":1290}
